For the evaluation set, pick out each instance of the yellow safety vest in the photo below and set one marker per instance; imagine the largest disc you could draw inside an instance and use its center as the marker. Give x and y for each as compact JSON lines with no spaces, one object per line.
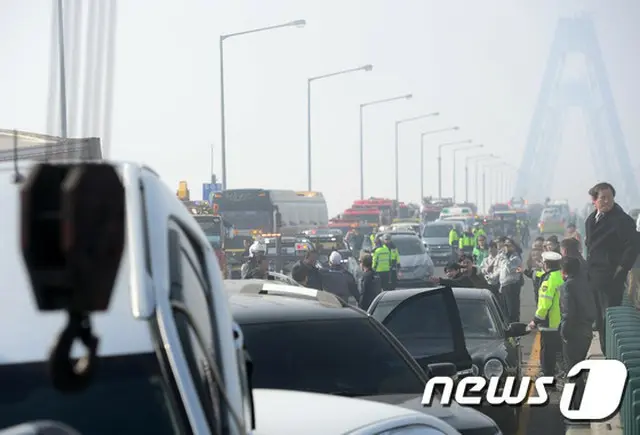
{"x":548,"y":312}
{"x":382,"y":259}
{"x":453,"y":237}
{"x":477,"y":233}
{"x":466,"y":242}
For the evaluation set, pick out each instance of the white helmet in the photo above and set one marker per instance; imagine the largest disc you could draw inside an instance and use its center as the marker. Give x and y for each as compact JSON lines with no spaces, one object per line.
{"x":257,"y":247}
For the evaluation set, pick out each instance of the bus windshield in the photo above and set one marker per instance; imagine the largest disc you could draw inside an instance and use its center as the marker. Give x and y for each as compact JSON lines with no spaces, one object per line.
{"x":249,"y":219}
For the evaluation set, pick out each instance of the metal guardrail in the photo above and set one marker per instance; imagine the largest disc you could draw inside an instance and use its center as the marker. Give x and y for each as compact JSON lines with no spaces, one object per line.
{"x":633,"y":285}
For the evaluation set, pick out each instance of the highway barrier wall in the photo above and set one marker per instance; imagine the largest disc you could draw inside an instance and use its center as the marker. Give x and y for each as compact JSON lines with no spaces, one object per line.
{"x":623,"y":344}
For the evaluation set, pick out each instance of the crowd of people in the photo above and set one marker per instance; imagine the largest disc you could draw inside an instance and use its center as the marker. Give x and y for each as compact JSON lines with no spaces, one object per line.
{"x":571,"y":293}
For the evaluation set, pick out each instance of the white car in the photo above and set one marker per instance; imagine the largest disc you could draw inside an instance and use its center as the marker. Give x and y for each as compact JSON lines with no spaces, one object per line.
{"x":171,"y":359}
{"x":294,"y":412}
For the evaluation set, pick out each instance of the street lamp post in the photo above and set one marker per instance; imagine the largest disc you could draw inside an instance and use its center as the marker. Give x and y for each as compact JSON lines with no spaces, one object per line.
{"x":309,"y":81}
{"x":223,"y":138}
{"x":466,"y":174}
{"x":477,"y":172}
{"x":455,"y":153}
{"x":362,"y":106}
{"x":426,"y":133}
{"x":440,"y":148}
{"x":403,"y":121}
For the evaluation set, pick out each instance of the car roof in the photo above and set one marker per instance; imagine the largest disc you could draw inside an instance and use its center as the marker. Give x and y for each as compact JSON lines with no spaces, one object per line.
{"x":447,"y":222}
{"x":458,"y":293}
{"x":273,"y":413}
{"x":249,"y":304}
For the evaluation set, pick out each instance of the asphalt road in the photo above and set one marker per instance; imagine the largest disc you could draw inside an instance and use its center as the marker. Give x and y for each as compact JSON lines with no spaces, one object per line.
{"x":545,"y":420}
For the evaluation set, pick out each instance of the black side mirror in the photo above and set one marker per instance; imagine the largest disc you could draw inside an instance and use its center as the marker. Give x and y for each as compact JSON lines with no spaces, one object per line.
{"x":442,"y":369}
{"x":516,"y":330}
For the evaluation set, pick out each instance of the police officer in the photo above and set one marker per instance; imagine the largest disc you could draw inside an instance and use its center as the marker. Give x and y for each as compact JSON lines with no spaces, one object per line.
{"x":454,"y":238}
{"x":478,"y":231}
{"x":257,"y":267}
{"x":548,"y":314}
{"x":395,"y":262}
{"x":382,"y":263}
{"x":467,"y":242}
{"x":372,"y":237}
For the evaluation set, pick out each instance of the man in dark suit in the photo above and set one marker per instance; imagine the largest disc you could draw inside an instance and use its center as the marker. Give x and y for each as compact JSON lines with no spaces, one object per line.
{"x":611,"y":242}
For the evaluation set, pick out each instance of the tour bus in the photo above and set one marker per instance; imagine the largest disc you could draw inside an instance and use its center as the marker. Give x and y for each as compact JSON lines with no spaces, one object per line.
{"x":254,"y":211}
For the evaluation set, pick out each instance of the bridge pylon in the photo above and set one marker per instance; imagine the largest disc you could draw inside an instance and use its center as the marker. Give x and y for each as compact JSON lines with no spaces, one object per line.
{"x":590,"y":93}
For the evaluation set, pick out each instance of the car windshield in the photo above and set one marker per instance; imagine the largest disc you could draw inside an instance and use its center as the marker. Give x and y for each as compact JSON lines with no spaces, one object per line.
{"x":120,"y":385}
{"x":476,"y":319}
{"x":408,"y":245}
{"x":433,"y":231}
{"x":318,"y":356}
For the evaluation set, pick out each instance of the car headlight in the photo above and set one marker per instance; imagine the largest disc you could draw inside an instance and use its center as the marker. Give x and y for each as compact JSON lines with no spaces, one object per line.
{"x":493,"y":368}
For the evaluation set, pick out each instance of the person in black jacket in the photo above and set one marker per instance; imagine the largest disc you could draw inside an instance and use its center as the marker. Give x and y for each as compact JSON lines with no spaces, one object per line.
{"x":455,"y":277}
{"x":299,"y":274}
{"x":339,"y":281}
{"x":370,"y":284}
{"x":314,"y":279}
{"x":578,"y":311}
{"x":611,"y":242}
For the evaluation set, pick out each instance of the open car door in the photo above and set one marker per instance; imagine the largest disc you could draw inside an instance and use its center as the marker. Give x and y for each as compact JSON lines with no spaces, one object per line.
{"x":428,"y":325}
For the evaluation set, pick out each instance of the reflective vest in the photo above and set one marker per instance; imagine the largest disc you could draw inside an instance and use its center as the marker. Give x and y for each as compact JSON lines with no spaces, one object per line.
{"x":382,"y":259}
{"x":466,"y":241}
{"x":477,"y":232}
{"x":395,"y":258}
{"x":372,"y":237}
{"x":479,"y":255}
{"x":453,"y":237}
{"x":548,"y":312}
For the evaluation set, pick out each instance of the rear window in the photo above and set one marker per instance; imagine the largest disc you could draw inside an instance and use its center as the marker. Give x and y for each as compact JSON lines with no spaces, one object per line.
{"x":408,"y":245}
{"x":550,"y":213}
{"x":433,"y":231}
{"x":121,"y":384}
{"x":348,"y":357}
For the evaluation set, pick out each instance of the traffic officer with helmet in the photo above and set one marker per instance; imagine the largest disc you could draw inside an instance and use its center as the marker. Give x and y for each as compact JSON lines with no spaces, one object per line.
{"x":478,"y":231}
{"x":382,"y":262}
{"x":454,"y":238}
{"x":548,"y":313}
{"x":467,"y":242}
{"x":395,"y":262}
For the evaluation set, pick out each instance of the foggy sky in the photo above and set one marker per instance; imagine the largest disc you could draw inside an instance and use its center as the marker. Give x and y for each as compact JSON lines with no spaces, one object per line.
{"x":479,"y":63}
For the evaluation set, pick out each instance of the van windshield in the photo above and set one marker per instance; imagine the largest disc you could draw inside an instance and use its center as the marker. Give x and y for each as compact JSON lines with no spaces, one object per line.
{"x":121,"y":384}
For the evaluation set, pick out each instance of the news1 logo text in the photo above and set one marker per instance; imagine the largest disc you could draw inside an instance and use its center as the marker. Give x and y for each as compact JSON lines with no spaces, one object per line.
{"x":601,"y":399}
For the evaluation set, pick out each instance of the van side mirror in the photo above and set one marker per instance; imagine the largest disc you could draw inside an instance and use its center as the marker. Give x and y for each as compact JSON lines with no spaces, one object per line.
{"x":517,"y":329}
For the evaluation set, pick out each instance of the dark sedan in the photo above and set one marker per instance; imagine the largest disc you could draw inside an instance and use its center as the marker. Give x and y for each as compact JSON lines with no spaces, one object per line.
{"x":492,"y":343}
